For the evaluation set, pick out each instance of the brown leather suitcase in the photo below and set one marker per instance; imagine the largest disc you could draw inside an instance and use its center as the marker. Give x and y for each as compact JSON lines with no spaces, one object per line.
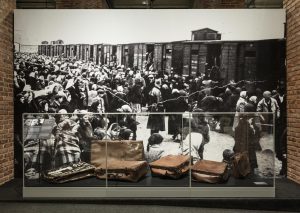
{"x":172,"y":166}
{"x":127,"y":150}
{"x":131,"y":171}
{"x":210,"y":171}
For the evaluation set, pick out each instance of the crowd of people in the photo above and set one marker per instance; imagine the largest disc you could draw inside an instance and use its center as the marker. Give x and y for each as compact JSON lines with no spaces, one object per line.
{"x":44,"y":84}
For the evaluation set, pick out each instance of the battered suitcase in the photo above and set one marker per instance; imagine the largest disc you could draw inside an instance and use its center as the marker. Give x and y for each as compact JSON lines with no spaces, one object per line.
{"x":131,"y":171}
{"x":126,"y":150}
{"x":171,"y":166}
{"x":210,"y":171}
{"x":70,"y":172}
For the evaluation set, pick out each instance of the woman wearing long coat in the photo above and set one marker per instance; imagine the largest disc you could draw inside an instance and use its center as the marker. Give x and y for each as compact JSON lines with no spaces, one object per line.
{"x":156,"y":122}
{"x":177,"y":104}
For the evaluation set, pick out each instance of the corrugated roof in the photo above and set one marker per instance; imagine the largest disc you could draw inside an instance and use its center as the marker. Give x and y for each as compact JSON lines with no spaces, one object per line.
{"x":203,"y":29}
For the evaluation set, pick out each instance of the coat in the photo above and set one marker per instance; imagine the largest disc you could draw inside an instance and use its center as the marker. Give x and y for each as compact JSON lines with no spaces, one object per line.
{"x":244,"y":140}
{"x":155,"y":122}
{"x":262,"y":106}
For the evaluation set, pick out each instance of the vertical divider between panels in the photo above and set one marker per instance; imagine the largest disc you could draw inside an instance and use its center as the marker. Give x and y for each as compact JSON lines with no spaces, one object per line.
{"x":23,"y":161}
{"x":191,"y":160}
{"x":40,"y":164}
{"x":274,"y":153}
{"x":106,"y":133}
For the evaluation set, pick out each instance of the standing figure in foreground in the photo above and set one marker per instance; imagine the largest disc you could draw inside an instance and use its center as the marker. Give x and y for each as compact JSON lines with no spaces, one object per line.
{"x":156,"y":122}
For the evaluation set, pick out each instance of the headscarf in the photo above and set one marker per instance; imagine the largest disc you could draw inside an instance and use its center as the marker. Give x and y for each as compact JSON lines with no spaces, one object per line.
{"x":253,"y":99}
{"x":243,"y":94}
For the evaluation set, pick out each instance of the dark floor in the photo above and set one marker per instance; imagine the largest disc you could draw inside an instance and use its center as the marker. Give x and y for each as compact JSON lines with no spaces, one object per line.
{"x":96,"y":208}
{"x":287,"y":199}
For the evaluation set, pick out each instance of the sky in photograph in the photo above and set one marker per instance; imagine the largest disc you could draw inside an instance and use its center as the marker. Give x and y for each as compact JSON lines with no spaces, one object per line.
{"x":131,"y":26}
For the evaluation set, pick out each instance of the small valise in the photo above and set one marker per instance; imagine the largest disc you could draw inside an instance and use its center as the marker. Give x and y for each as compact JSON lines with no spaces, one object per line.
{"x":131,"y":171}
{"x":172,"y":166}
{"x":210,"y":171}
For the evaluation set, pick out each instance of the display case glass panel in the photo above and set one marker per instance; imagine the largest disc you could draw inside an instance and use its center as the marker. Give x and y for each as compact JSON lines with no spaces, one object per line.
{"x":151,"y":154}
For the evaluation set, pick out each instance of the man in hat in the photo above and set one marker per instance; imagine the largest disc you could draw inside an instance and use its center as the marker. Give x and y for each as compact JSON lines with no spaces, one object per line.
{"x":270,"y":105}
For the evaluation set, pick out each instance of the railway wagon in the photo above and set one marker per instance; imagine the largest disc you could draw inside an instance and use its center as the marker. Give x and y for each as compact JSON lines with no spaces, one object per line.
{"x":127,"y":51}
{"x":135,"y":56}
{"x":96,"y":53}
{"x":234,"y":60}
{"x":42,"y":49}
{"x":60,"y":49}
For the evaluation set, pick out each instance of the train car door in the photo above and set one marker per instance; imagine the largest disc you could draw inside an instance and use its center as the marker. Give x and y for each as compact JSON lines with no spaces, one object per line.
{"x":119,"y":55}
{"x":213,"y":60}
{"x":157,"y":60}
{"x":148,"y":56}
{"x":168,"y":58}
{"x":186,"y":59}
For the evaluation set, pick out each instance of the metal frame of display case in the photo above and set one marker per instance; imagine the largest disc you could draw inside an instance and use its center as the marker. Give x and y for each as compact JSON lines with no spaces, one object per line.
{"x":151,"y":192}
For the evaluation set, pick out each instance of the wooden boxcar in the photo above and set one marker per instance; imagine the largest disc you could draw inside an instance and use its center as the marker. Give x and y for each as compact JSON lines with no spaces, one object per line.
{"x":97,"y":53}
{"x":236,"y":60}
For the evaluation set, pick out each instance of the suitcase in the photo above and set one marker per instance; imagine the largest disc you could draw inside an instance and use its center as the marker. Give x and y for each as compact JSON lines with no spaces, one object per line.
{"x":171,"y":166}
{"x":210,"y":171}
{"x":131,"y":171}
{"x":70,"y":172}
{"x":126,"y":150}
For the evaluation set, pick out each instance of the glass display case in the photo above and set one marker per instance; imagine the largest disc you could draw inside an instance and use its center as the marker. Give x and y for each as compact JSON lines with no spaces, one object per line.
{"x":149,"y":155}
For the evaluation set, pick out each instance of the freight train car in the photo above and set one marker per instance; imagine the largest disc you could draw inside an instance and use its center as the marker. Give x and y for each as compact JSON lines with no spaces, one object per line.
{"x":235,"y":60}
{"x":229,"y":60}
{"x":97,"y":55}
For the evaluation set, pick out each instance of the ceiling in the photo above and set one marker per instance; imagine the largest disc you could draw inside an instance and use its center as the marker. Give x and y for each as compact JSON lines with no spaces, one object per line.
{"x":36,"y":4}
{"x":144,"y":4}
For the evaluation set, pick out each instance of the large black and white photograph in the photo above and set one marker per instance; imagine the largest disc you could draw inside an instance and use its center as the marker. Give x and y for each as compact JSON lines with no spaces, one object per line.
{"x":173,"y":98}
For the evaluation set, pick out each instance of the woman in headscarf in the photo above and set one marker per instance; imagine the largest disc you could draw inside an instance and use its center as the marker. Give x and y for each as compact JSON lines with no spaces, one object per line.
{"x":241,"y":103}
{"x":156,"y":122}
{"x":176,"y":104}
{"x":254,"y":120}
{"x":240,"y":108}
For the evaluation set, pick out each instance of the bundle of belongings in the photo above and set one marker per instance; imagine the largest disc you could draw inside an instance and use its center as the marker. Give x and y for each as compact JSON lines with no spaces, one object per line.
{"x":125,"y":160}
{"x":69,"y":172}
{"x":241,"y":165}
